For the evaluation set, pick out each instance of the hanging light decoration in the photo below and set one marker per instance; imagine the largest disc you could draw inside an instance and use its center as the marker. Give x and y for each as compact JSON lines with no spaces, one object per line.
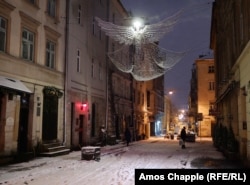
{"x":139,"y":54}
{"x":139,"y":32}
{"x":146,"y":62}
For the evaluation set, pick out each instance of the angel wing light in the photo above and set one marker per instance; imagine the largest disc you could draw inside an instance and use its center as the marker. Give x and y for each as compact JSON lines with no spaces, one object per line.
{"x":139,"y":55}
{"x":136,"y":35}
{"x":146,"y":62}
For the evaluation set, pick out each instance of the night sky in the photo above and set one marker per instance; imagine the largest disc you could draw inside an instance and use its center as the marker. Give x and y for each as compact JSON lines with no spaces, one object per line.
{"x":191,"y":34}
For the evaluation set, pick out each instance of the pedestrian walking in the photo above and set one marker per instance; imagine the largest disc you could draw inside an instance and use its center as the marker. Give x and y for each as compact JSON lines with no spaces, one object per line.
{"x":127,"y":136}
{"x":183,"y":137}
{"x":102,"y":135}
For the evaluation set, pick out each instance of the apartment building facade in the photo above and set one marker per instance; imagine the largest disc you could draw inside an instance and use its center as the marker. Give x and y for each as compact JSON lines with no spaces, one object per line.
{"x":32,"y":68}
{"x":205,"y":96}
{"x":57,"y":84}
{"x":155,"y":105}
{"x":85,"y":72}
{"x":230,"y":41}
{"x":149,"y":108}
{"x":98,"y":94}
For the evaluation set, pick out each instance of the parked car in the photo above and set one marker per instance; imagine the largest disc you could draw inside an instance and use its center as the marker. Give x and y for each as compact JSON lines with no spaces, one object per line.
{"x":191,"y":136}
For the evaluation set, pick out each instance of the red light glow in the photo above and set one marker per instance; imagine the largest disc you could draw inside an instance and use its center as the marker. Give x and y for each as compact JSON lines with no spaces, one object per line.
{"x":84,"y":106}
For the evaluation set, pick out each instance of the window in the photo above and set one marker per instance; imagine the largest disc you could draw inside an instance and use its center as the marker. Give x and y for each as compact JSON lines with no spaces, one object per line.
{"x":79,"y":14}
{"x":92,"y":68}
{"x":211,"y":105}
{"x":142,"y":98}
{"x":113,"y":47}
{"x":34,"y":2}
{"x":51,"y":8}
{"x":100,"y":34}
{"x":3,"y":25}
{"x":211,"y":86}
{"x":50,"y":54}
{"x":241,"y":31}
{"x":28,"y":45}
{"x":5,"y":14}
{"x":93,"y":26}
{"x":29,"y":33}
{"x":51,"y":46}
{"x":100,"y":71}
{"x":138,"y":98}
{"x":78,"y":61}
{"x":212,"y":110}
{"x":148,"y":98}
{"x":113,"y":18}
{"x":210,"y":69}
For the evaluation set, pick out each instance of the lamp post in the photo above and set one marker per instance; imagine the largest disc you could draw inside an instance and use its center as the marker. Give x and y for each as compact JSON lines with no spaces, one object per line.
{"x":168,"y":110}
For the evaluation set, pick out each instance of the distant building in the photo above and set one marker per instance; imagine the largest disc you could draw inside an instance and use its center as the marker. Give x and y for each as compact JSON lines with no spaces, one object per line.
{"x":205,"y":96}
{"x":155,"y":105}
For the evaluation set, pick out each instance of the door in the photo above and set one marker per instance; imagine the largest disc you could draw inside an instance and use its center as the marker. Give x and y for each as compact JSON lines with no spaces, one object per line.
{"x":152,"y":128}
{"x":23,"y":124}
{"x":50,"y":112}
{"x":80,"y":134}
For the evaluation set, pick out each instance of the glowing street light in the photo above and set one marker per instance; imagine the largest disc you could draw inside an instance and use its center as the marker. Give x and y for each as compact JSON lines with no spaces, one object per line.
{"x":138,"y":26}
{"x":170,"y":92}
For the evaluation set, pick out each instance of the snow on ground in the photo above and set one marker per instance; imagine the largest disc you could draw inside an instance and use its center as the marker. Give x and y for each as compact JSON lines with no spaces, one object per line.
{"x":116,"y":167}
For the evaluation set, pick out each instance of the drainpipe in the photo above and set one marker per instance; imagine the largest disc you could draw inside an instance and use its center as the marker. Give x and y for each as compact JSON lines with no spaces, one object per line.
{"x":107,"y":73}
{"x":66,"y":70}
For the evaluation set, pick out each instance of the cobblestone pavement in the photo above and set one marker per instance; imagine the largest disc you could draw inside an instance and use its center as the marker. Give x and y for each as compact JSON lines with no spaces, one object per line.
{"x":117,"y":164}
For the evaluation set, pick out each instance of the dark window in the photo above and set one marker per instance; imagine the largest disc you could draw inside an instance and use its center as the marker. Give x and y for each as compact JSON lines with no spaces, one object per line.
{"x":79,"y":14}
{"x":51,"y":9}
{"x":50,"y":54}
{"x":210,"y":69}
{"x":28,"y":45}
{"x":148,"y":98}
{"x":78,"y":61}
{"x":3,"y":34}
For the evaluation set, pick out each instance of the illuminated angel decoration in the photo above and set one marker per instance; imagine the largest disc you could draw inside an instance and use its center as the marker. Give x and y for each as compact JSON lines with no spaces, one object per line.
{"x":145,"y":63}
{"x":139,"y":33}
{"x":139,"y":55}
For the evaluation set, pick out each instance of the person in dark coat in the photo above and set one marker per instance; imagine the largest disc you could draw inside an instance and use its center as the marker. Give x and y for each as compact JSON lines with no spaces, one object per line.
{"x":127,"y":135}
{"x":102,"y":135}
{"x":183,"y":137}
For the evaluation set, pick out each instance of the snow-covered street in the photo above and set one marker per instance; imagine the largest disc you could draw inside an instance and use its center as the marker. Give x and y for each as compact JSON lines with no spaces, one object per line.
{"x":117,"y":165}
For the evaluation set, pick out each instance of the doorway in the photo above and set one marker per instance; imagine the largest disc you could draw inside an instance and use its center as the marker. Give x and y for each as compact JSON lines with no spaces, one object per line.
{"x":23,"y":124}
{"x":80,"y":134}
{"x":50,"y":112}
